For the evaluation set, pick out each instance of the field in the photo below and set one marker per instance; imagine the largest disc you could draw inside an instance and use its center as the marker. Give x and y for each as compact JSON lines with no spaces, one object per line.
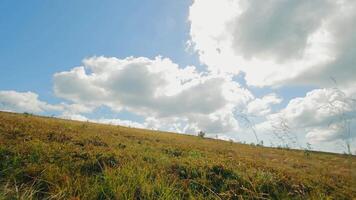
{"x":48,"y":158}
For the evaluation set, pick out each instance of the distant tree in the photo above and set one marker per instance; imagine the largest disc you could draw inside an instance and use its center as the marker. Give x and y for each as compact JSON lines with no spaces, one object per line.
{"x":27,"y":114}
{"x":201,"y":134}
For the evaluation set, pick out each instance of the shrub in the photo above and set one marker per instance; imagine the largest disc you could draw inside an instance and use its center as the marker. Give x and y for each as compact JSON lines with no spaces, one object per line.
{"x":201,"y":134}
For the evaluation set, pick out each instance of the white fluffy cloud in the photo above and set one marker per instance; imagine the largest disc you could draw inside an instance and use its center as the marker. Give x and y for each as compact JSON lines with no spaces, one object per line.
{"x":127,"y":123}
{"x":77,"y":117}
{"x":277,"y":42}
{"x":14,"y":101}
{"x":157,"y":89}
{"x":263,"y":106}
{"x":24,"y":102}
{"x":323,"y":114}
{"x":281,"y":43}
{"x":120,"y":122}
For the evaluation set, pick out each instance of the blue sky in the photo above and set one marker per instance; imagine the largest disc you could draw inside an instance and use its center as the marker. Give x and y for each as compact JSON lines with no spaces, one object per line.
{"x":184,"y":65}
{"x":42,"y":37}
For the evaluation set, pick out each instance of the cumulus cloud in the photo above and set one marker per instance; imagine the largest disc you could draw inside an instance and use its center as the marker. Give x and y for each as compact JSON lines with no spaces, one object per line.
{"x":120,"y":122}
{"x":114,"y":121}
{"x":155,"y":88}
{"x":139,"y":84}
{"x":14,"y":101}
{"x":279,"y":30}
{"x":75,"y":108}
{"x":323,"y":114}
{"x":76,"y":117}
{"x":263,"y":106}
{"x":24,"y":102}
{"x":279,"y":42}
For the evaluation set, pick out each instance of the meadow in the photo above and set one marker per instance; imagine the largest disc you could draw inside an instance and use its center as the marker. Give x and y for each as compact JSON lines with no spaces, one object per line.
{"x":49,"y":158}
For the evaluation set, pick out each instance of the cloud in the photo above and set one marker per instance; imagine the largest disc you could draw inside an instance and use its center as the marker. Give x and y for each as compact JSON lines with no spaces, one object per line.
{"x":127,"y":123}
{"x":157,"y":89}
{"x":75,"y":108}
{"x":323,"y":114}
{"x":24,"y":102}
{"x":76,"y":117}
{"x":279,"y":30}
{"x":284,"y":43}
{"x":14,"y":101}
{"x":323,"y":134}
{"x":263,"y":106}
{"x":279,"y":42}
{"x":120,"y":122}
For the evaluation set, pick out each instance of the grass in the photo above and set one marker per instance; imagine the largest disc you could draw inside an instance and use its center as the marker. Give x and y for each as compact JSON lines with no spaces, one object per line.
{"x":47,"y":158}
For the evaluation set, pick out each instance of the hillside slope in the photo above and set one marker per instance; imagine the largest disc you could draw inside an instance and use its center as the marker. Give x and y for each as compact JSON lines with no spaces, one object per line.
{"x":47,"y":158}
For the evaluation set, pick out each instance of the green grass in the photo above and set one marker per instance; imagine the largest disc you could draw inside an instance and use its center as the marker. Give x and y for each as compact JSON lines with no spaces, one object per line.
{"x":47,"y":158}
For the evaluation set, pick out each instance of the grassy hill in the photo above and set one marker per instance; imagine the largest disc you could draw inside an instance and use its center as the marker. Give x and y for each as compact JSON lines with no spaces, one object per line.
{"x":47,"y":158}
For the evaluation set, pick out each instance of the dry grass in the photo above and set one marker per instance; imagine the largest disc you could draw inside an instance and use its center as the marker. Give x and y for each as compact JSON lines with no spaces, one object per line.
{"x":46,"y":158}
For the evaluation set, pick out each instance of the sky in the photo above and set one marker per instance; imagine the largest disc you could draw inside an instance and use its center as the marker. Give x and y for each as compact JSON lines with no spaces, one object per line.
{"x":238,"y":70}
